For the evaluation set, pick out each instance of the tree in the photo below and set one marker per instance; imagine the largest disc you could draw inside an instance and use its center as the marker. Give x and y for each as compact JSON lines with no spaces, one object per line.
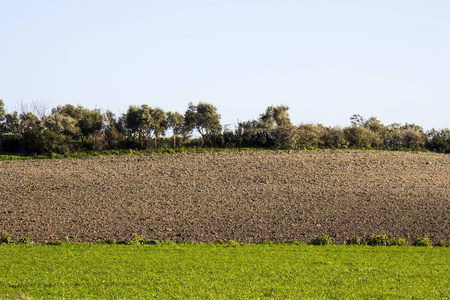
{"x":69,"y":110}
{"x":137,"y":120}
{"x":2,"y":110}
{"x":12,"y":123}
{"x":2,"y":117}
{"x":175,"y":120}
{"x":144,"y":122}
{"x":204,"y":118}
{"x":275,"y":115}
{"x":62,"y":124}
{"x":439,"y":140}
{"x":112,"y":130}
{"x":158,"y":123}
{"x":38,"y":107}
{"x":28,"y":121}
{"x":360,"y":137}
{"x":413,"y":136}
{"x":357,"y":120}
{"x":334,"y":137}
{"x":90,"y":122}
{"x":277,"y":128}
{"x":310,"y":135}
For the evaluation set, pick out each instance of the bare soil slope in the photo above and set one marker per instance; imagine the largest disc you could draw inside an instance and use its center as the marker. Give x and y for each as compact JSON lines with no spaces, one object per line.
{"x":243,"y":196}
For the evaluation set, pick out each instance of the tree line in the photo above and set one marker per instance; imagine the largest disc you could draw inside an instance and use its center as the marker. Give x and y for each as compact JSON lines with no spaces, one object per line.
{"x":71,"y":128}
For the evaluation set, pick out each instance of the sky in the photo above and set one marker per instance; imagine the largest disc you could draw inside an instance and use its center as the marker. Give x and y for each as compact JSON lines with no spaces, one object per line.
{"x":326,"y":60}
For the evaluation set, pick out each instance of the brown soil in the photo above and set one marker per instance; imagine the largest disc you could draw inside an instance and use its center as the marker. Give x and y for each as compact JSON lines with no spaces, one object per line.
{"x":244,"y":196}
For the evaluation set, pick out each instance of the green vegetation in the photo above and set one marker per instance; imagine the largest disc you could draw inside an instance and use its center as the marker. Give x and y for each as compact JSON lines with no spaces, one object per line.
{"x":223,"y":270}
{"x":90,"y":154}
{"x":423,"y":242}
{"x":321,"y":240}
{"x":72,"y":129}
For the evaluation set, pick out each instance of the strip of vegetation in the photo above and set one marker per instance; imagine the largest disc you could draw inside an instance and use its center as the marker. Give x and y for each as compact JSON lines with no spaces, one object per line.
{"x":223,"y":270}
{"x":377,"y":240}
{"x":90,"y":154}
{"x":69,"y":129}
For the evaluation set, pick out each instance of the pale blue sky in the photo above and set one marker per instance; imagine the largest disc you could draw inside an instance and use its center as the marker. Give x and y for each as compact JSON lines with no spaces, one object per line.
{"x":326,"y":60}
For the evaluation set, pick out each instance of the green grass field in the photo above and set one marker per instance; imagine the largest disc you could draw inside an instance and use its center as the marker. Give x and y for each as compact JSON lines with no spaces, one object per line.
{"x":211,"y":271}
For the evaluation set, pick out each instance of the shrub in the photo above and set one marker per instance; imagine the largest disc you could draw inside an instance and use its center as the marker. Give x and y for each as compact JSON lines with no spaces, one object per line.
{"x":5,"y":238}
{"x":230,"y":243}
{"x":233,"y":243}
{"x":321,"y":240}
{"x":354,"y":241}
{"x":166,"y":242}
{"x":110,"y":241}
{"x":150,"y":242}
{"x":378,"y":240}
{"x":294,"y":242}
{"x":399,"y":242}
{"x":441,"y":243}
{"x":24,"y":240}
{"x":64,"y":240}
{"x":423,"y":242}
{"x":137,"y":240}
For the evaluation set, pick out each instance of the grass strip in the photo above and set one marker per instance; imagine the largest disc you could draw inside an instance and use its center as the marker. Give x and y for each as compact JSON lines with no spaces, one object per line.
{"x":90,"y":154}
{"x":213,"y":271}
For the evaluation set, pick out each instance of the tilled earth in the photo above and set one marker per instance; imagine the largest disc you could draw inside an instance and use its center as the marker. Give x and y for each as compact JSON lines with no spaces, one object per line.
{"x":243,"y":196}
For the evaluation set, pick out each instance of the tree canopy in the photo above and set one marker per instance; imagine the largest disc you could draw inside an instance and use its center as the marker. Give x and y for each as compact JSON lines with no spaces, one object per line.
{"x":70,"y":128}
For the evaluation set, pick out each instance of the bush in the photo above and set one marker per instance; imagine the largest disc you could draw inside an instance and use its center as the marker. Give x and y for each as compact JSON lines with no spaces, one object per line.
{"x":321,"y":240}
{"x":361,"y":137}
{"x":233,"y":243}
{"x":110,"y":242}
{"x":378,"y":240}
{"x":137,"y":240}
{"x":294,"y":242}
{"x":354,"y":241}
{"x":166,"y":242}
{"x":24,"y":240}
{"x":399,"y":242}
{"x":5,"y":238}
{"x":334,"y":137}
{"x":64,"y":240}
{"x":423,"y":242}
{"x":150,"y":242}
{"x":441,"y":243}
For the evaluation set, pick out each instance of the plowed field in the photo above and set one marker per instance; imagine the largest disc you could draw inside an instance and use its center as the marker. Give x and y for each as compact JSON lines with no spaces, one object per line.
{"x":243,"y":196}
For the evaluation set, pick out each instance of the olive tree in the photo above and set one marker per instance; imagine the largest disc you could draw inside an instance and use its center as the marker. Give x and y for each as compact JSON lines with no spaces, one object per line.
{"x":2,"y":117}
{"x":158,"y":123}
{"x":2,"y":110}
{"x":62,"y":124}
{"x":144,"y":122}
{"x":137,"y":122}
{"x":113,"y":130}
{"x":275,"y":115}
{"x":175,"y":120}
{"x":204,"y":118}
{"x":90,"y":122}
